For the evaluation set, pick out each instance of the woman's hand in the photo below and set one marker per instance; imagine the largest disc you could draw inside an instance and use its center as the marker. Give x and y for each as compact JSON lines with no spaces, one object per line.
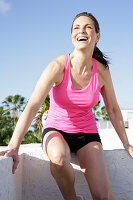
{"x":14,"y":154}
{"x":129,"y":149}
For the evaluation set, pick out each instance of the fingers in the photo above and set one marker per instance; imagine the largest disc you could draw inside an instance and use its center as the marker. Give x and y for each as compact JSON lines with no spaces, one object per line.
{"x":15,"y":157}
{"x":130,"y":150}
{"x":2,"y":153}
{"x":9,"y":153}
{"x":15,"y":164}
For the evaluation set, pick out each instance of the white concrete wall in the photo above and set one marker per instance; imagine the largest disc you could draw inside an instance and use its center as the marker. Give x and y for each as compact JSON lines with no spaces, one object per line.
{"x":10,"y":185}
{"x":111,"y":140}
{"x":130,"y":123}
{"x":39,"y":184}
{"x":34,"y":182}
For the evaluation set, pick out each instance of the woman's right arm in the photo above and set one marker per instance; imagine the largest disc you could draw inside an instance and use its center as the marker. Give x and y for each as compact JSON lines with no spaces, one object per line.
{"x":51,"y":75}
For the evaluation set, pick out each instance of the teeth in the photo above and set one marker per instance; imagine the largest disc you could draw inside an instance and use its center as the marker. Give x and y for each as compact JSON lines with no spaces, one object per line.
{"x":82,"y":38}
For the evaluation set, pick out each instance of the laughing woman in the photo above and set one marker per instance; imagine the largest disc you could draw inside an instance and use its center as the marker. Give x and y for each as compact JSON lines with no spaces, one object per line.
{"x":74,"y":82}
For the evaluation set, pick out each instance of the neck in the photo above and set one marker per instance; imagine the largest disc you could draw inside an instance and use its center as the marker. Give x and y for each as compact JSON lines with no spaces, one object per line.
{"x":81,"y":60}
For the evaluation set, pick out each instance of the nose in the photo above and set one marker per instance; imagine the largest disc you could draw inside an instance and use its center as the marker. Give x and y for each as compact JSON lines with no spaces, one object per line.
{"x":82,"y":30}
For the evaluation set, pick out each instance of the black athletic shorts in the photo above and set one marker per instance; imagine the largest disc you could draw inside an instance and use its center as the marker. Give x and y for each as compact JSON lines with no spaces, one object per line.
{"x":75,"y":141}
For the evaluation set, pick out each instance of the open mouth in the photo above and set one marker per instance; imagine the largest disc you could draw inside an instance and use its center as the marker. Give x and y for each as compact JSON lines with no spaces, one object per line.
{"x":82,"y":38}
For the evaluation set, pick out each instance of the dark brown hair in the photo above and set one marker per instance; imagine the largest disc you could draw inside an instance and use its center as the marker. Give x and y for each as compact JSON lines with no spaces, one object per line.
{"x":97,"y":54}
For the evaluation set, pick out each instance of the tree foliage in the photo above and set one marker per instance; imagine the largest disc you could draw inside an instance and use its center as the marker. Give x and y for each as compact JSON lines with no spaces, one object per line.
{"x":9,"y":115}
{"x":6,"y":127}
{"x":12,"y":108}
{"x":104,"y":114}
{"x":100,"y":112}
{"x":14,"y":105}
{"x":38,"y":119}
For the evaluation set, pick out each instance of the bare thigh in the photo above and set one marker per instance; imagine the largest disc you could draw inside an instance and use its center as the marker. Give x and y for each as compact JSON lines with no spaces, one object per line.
{"x":56,"y":148}
{"x":92,"y":163}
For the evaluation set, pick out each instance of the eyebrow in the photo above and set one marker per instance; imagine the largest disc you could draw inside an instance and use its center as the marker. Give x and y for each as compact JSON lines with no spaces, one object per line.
{"x":85,"y":24}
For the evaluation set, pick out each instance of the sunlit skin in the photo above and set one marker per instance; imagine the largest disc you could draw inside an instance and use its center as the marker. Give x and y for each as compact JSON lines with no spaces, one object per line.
{"x":84,"y":39}
{"x":96,"y":148}
{"x":84,"y":27}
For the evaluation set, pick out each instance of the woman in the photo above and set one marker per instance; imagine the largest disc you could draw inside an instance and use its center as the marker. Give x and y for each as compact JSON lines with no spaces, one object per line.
{"x":74,"y":82}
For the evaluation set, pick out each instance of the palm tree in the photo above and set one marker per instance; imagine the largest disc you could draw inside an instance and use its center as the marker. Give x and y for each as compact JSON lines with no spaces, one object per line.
{"x":104,"y":114}
{"x":44,"y":109}
{"x":14,"y":105}
{"x":6,"y":127}
{"x":95,"y":109}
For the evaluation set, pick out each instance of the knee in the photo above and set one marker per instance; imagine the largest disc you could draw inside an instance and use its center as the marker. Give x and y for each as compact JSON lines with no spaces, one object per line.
{"x":59,"y":159}
{"x":57,"y":164}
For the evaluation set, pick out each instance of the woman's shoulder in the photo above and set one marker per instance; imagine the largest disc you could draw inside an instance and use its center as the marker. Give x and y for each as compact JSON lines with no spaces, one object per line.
{"x":57,"y":67}
{"x":103,"y":73}
{"x":58,"y":63}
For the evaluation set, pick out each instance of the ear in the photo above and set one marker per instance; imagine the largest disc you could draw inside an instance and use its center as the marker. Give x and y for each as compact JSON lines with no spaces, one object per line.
{"x":98,"y":37}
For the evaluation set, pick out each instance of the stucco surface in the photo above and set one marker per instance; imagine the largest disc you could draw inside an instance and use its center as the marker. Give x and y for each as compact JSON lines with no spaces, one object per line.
{"x":34,"y":181}
{"x":10,"y":185}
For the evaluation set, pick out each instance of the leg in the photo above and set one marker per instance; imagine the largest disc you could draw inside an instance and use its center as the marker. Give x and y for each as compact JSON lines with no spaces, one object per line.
{"x":92,"y":163}
{"x":58,"y":152}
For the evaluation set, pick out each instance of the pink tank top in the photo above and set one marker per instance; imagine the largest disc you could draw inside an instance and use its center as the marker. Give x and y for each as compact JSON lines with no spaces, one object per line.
{"x":71,"y":109}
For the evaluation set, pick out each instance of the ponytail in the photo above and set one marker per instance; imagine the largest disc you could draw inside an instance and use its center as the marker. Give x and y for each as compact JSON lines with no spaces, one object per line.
{"x":99,"y":56}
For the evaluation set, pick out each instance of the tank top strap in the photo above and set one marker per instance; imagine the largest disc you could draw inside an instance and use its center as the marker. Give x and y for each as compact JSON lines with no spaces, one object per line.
{"x":66,"y":70}
{"x":67,"y":61}
{"x":94,"y":66}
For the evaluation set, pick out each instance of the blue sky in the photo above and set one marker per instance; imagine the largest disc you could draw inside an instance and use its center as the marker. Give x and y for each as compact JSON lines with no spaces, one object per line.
{"x":34,"y":32}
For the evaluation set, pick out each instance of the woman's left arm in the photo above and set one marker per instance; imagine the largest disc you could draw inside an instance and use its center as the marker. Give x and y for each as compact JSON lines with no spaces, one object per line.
{"x":114,"y":111}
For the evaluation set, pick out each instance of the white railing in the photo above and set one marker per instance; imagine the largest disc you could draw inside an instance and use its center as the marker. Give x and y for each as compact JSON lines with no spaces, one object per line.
{"x":101,"y":124}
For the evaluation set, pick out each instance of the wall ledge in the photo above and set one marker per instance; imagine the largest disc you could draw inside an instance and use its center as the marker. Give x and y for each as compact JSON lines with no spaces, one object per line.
{"x":33,"y":179}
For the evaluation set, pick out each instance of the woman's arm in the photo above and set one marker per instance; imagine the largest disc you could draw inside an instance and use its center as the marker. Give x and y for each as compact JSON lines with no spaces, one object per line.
{"x":51,"y":75}
{"x":113,"y":110}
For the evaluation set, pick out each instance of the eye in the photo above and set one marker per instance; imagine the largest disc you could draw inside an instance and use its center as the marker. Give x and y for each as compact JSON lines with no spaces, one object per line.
{"x":89,"y":27}
{"x":76,"y":27}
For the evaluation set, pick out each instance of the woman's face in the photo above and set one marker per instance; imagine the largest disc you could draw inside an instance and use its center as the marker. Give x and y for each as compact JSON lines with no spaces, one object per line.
{"x":83,"y":34}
